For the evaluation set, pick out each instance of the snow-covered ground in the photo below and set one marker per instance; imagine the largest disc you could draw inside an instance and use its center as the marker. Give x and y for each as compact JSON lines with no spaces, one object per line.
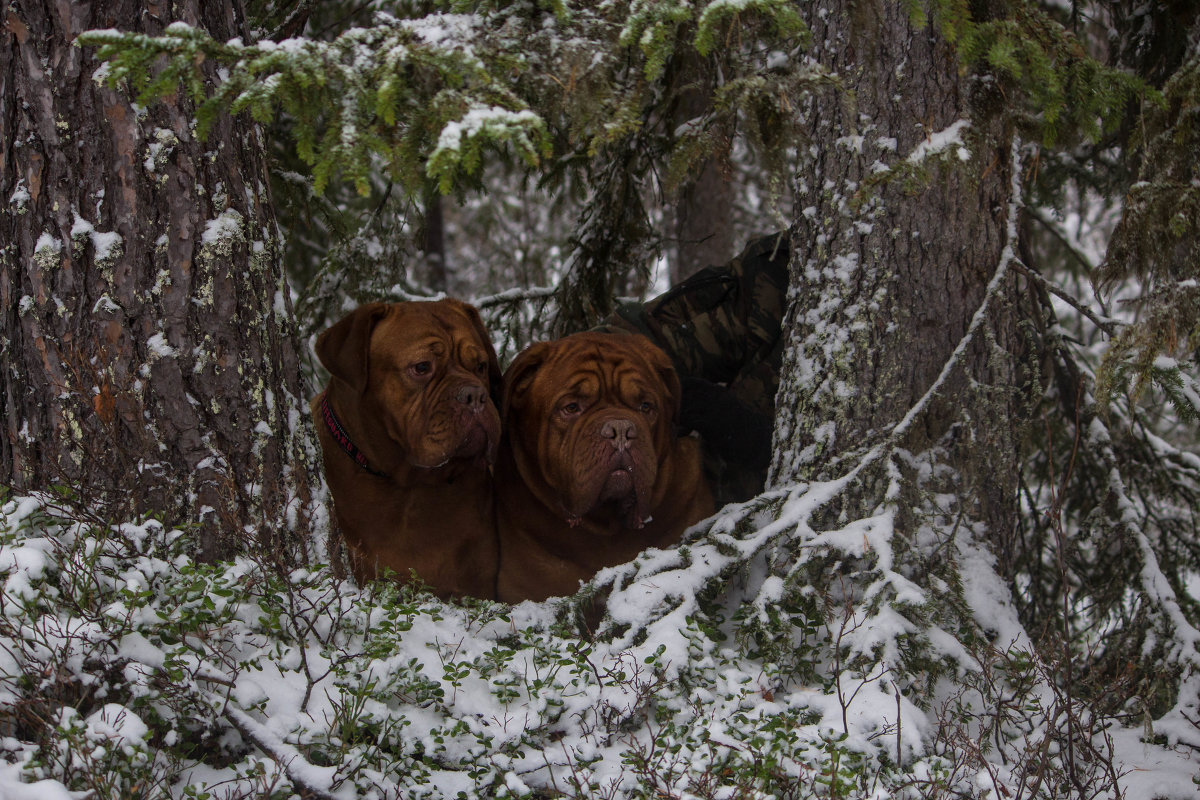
{"x":134,"y":652}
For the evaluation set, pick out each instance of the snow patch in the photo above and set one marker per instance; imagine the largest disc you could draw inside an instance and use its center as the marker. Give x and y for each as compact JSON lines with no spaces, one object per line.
{"x":476,"y":121}
{"x":226,"y":227}
{"x":20,"y":196}
{"x":105,"y":244}
{"x":159,"y":348}
{"x":47,"y":243}
{"x":941,"y":141}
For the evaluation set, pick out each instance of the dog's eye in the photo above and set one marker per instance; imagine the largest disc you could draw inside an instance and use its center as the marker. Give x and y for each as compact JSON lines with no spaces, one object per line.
{"x":481,"y":368}
{"x":570,"y":409}
{"x":421,"y":368}
{"x":646,"y":406}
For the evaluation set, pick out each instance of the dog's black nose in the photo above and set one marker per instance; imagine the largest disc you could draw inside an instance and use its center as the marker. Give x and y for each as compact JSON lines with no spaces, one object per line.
{"x":620,"y":431}
{"x":473,"y":396}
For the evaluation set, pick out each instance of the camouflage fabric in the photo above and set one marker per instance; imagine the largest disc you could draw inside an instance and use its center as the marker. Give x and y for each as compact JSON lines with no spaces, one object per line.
{"x":723,"y":325}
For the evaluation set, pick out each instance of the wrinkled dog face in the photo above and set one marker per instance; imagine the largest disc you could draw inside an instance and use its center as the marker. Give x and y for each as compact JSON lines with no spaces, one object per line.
{"x":593,"y":415}
{"x":427,"y":373}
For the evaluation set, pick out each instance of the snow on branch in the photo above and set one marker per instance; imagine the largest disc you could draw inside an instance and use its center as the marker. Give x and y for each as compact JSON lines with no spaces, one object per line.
{"x":1185,"y":647}
{"x":388,"y":89}
{"x":515,"y":295}
{"x":312,"y":780}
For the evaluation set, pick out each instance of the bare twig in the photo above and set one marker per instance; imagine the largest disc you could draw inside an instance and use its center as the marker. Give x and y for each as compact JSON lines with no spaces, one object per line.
{"x":1107,"y":324}
{"x":514,"y":295}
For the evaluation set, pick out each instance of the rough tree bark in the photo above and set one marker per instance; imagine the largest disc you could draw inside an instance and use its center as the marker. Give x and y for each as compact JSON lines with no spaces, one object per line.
{"x":700,"y":208}
{"x":887,"y":274}
{"x":146,"y":341}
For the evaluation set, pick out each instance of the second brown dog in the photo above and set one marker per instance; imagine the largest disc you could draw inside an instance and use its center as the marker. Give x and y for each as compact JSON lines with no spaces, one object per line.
{"x":590,"y":472}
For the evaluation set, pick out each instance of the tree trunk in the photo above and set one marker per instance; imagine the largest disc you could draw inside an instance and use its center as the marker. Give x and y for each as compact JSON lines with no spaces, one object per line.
{"x":703,"y":224}
{"x":886,"y":274}
{"x":433,"y":244}
{"x":146,"y":337}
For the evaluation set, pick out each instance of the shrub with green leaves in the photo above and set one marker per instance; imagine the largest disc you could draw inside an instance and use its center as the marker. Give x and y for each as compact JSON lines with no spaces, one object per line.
{"x":131,"y":670}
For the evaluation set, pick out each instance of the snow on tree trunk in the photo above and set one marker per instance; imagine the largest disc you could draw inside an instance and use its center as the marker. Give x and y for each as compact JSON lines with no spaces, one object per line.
{"x":146,"y":339}
{"x":901,"y":210}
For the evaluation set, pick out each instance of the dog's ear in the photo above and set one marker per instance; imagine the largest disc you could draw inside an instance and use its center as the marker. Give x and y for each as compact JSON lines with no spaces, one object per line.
{"x":345,"y":348}
{"x":520,"y":375}
{"x":495,"y":377}
{"x":666,"y":371}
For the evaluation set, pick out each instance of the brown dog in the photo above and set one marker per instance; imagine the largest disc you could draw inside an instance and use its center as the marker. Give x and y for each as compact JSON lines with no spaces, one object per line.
{"x":590,"y":472}
{"x":408,"y":426}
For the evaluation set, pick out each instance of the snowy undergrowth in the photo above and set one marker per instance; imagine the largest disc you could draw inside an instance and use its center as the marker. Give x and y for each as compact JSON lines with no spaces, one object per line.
{"x":129,"y":669}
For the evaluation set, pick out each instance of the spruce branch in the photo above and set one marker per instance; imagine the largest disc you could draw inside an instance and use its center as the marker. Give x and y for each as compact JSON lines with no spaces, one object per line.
{"x":428,"y":107}
{"x":1185,"y":636}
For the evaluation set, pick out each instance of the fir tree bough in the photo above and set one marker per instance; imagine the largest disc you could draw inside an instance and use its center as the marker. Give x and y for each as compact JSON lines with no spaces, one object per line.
{"x":562,"y":88}
{"x":386,"y":90}
{"x":1158,"y":241}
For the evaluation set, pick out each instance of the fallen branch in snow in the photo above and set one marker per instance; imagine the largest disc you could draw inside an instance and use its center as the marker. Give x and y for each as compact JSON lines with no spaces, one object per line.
{"x":303,"y":774}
